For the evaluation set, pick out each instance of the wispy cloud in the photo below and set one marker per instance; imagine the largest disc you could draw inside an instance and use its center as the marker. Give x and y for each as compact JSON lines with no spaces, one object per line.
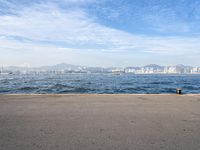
{"x":48,"y":28}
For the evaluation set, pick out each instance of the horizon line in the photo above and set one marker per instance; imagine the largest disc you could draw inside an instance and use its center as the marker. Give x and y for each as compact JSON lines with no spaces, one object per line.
{"x":64,"y":63}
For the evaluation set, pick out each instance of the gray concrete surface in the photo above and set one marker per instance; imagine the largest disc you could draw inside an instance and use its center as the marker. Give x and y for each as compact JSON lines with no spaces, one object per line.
{"x":99,"y":122}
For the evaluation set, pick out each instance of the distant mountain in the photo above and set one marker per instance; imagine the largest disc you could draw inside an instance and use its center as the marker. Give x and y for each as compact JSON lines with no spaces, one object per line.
{"x":182,"y":66}
{"x":62,"y":66}
{"x":136,"y":68}
{"x":15,"y":68}
{"x":153,"y":66}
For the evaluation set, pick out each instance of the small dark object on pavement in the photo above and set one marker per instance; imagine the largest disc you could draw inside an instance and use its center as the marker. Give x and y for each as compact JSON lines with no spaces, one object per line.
{"x":178,"y":91}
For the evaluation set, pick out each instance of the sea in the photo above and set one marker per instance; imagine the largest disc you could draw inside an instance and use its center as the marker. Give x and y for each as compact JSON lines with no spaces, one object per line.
{"x":98,"y":84}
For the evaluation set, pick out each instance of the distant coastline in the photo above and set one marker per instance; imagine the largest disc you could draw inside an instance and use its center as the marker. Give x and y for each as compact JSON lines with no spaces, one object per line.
{"x":64,"y":68}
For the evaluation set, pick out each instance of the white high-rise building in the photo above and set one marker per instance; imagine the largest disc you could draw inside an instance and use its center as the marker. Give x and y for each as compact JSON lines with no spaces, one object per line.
{"x":195,"y":70}
{"x":172,"y":69}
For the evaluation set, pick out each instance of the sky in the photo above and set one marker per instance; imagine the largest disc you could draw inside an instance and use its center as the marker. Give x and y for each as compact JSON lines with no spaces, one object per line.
{"x":99,"y":32}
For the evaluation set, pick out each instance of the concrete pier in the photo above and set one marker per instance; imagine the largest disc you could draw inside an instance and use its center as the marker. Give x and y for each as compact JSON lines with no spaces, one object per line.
{"x":99,"y":122}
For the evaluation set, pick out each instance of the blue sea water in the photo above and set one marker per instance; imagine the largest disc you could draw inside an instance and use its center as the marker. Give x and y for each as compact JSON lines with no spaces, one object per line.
{"x":98,"y":83}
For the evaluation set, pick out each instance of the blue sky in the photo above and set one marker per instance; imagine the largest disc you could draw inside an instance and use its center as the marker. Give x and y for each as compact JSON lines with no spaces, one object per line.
{"x":99,"y":32}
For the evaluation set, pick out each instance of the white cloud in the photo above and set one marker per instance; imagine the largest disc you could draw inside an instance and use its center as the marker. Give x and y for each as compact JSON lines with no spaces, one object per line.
{"x":47,"y":22}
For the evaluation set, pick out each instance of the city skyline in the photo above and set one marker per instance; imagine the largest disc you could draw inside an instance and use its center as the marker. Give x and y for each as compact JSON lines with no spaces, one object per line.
{"x":70,"y":68}
{"x":99,"y":33}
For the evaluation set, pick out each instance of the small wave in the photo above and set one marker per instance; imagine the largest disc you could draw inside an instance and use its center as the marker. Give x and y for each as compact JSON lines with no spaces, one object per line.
{"x":74,"y":80}
{"x":57,"y":86}
{"x":27,"y":88}
{"x":126,"y":83}
{"x":131,"y":89}
{"x":4,"y":82}
{"x":4,"y":90}
{"x":89,"y":83}
{"x":81,"y":89}
{"x":191,"y":87}
{"x":76,"y":90}
{"x":7,"y":80}
{"x":159,"y":82}
{"x":167,"y":90}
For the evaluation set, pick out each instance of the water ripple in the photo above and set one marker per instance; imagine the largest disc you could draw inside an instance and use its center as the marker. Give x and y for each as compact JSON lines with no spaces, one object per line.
{"x":99,"y":83}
